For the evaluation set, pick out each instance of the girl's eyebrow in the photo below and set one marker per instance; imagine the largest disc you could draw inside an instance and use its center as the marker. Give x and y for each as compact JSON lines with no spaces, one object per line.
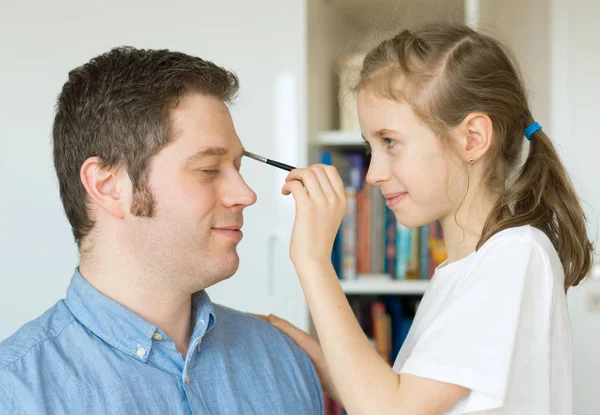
{"x":381,"y":133}
{"x":385,"y":131}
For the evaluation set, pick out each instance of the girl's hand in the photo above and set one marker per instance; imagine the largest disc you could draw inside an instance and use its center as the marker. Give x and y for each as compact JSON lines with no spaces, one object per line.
{"x":320,"y":207}
{"x":310,"y":346}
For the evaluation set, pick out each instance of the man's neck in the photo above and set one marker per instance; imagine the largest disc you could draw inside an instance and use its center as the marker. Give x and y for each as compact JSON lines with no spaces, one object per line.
{"x":138,"y":291}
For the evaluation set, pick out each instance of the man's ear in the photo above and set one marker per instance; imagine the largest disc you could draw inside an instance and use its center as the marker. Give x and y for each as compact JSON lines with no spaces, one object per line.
{"x":476,"y":132}
{"x":103,"y":186}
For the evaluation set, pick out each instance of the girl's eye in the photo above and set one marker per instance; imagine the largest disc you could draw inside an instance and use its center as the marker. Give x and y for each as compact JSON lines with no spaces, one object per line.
{"x":389,"y":143}
{"x":367,"y":148}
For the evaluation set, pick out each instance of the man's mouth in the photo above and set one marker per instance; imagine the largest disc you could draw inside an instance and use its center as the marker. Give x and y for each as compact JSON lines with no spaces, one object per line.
{"x":233,"y":232}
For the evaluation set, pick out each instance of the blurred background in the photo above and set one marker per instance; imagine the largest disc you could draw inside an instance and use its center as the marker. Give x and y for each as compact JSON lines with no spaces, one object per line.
{"x":296,"y":60}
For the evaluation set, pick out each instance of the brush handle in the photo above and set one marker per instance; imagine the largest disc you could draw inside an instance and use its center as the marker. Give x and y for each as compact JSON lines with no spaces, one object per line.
{"x":280,"y":165}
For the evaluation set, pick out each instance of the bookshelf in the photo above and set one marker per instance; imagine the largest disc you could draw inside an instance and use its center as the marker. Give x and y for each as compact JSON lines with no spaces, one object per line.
{"x":383,"y":284}
{"x":340,"y":139}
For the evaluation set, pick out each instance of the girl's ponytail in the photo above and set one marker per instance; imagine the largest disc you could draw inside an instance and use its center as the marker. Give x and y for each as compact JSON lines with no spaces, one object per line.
{"x":543,"y":196}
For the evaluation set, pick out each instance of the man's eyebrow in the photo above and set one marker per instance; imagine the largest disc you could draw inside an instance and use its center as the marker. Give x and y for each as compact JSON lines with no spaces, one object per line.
{"x":207,"y":152}
{"x":212,"y":151}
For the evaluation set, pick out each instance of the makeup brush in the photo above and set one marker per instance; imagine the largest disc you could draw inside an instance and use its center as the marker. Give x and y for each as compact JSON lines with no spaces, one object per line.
{"x":268,"y":161}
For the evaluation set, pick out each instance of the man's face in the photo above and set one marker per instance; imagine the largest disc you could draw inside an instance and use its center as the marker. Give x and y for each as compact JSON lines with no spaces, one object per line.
{"x":200,"y":195}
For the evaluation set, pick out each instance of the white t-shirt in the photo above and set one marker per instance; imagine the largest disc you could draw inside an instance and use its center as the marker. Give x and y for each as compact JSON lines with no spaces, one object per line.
{"x":497,"y":323}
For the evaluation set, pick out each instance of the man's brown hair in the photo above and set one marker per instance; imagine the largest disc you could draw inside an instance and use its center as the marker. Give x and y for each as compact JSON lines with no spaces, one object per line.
{"x":117,"y":107}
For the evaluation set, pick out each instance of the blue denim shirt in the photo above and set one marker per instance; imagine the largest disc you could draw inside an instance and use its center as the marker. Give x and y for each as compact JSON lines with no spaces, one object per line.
{"x":90,"y":355}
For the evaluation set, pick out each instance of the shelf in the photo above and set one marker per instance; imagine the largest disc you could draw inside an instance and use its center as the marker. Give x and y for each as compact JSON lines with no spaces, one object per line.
{"x":340,"y":139}
{"x":383,"y":284}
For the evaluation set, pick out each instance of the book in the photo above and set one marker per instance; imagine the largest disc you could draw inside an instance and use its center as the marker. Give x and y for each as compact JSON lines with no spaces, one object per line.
{"x":349,"y":237}
{"x":424,"y":252}
{"x":390,"y":243}
{"x":403,"y":250}
{"x":363,"y":221}
{"x":381,"y":330}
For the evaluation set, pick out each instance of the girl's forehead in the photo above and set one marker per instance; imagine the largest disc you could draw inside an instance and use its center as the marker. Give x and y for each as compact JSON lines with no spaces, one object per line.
{"x":381,"y":111}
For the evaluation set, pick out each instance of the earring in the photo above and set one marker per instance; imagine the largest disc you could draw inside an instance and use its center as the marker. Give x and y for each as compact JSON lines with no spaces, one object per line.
{"x":472,"y":162}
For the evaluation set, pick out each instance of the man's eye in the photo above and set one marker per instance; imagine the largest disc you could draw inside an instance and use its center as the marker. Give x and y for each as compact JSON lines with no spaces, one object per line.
{"x":211,"y":172}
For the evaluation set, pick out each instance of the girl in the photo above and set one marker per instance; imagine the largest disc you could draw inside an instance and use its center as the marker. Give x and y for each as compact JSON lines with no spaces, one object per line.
{"x":444,"y":113}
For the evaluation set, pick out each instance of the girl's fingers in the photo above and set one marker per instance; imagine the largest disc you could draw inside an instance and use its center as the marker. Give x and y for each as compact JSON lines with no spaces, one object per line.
{"x":335,"y":180}
{"x":330,"y":185}
{"x":328,"y":190}
{"x":310,"y":181}
{"x":296,"y":188}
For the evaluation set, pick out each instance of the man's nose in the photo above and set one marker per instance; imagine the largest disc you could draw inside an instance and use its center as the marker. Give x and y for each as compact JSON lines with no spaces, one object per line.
{"x":238,"y":193}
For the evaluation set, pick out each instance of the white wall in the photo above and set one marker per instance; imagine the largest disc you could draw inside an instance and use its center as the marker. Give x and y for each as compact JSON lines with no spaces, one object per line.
{"x":262,"y":41}
{"x":576,"y":83}
{"x":512,"y":22}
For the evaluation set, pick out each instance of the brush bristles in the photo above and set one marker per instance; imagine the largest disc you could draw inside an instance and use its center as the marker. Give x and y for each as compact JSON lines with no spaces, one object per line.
{"x":255,"y":156}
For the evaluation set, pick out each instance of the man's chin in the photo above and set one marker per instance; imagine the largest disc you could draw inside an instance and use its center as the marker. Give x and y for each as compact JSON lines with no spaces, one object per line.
{"x":232,"y":268}
{"x":224,"y":268}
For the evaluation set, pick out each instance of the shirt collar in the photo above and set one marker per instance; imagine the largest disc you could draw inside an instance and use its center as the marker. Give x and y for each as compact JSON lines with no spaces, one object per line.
{"x":205,"y":314}
{"x":119,"y":326}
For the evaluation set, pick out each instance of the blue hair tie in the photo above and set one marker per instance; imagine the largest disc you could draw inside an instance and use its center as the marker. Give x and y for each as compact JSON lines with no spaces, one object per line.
{"x":532,"y":128}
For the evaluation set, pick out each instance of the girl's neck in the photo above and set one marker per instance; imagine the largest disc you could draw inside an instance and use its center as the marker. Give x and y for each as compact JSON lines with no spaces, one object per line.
{"x":462,"y":229}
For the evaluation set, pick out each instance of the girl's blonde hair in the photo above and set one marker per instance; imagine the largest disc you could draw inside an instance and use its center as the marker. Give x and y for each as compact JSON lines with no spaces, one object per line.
{"x":446,"y":72}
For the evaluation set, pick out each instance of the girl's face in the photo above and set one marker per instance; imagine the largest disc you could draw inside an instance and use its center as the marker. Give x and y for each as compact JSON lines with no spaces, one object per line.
{"x":419,"y":180}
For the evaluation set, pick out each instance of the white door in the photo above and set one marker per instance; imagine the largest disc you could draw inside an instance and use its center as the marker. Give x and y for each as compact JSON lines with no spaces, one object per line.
{"x":262,"y":41}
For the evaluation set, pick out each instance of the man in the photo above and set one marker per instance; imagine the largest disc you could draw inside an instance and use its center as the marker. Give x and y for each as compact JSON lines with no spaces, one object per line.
{"x":148,"y":162}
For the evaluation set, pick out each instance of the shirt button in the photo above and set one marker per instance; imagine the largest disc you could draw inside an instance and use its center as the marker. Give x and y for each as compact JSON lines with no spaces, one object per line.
{"x":157,"y":336}
{"x":140,"y":352}
{"x":187,"y":380}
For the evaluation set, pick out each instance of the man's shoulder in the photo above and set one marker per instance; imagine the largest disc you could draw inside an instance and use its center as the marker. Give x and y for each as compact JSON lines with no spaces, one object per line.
{"x":244,"y":324}
{"x":247,"y":329}
{"x":264,"y":350}
{"x":27,"y":340}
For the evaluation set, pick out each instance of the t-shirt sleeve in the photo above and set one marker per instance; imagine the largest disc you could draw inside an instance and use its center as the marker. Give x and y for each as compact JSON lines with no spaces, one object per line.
{"x":471,"y":343}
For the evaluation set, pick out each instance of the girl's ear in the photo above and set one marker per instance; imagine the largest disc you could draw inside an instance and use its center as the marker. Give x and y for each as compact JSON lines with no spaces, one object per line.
{"x":476,"y":132}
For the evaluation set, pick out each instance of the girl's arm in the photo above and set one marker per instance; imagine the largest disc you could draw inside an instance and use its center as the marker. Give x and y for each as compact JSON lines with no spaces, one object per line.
{"x":364,"y":382}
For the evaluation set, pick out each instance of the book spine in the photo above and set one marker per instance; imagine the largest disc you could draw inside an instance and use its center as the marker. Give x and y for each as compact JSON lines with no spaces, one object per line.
{"x":349,"y":236}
